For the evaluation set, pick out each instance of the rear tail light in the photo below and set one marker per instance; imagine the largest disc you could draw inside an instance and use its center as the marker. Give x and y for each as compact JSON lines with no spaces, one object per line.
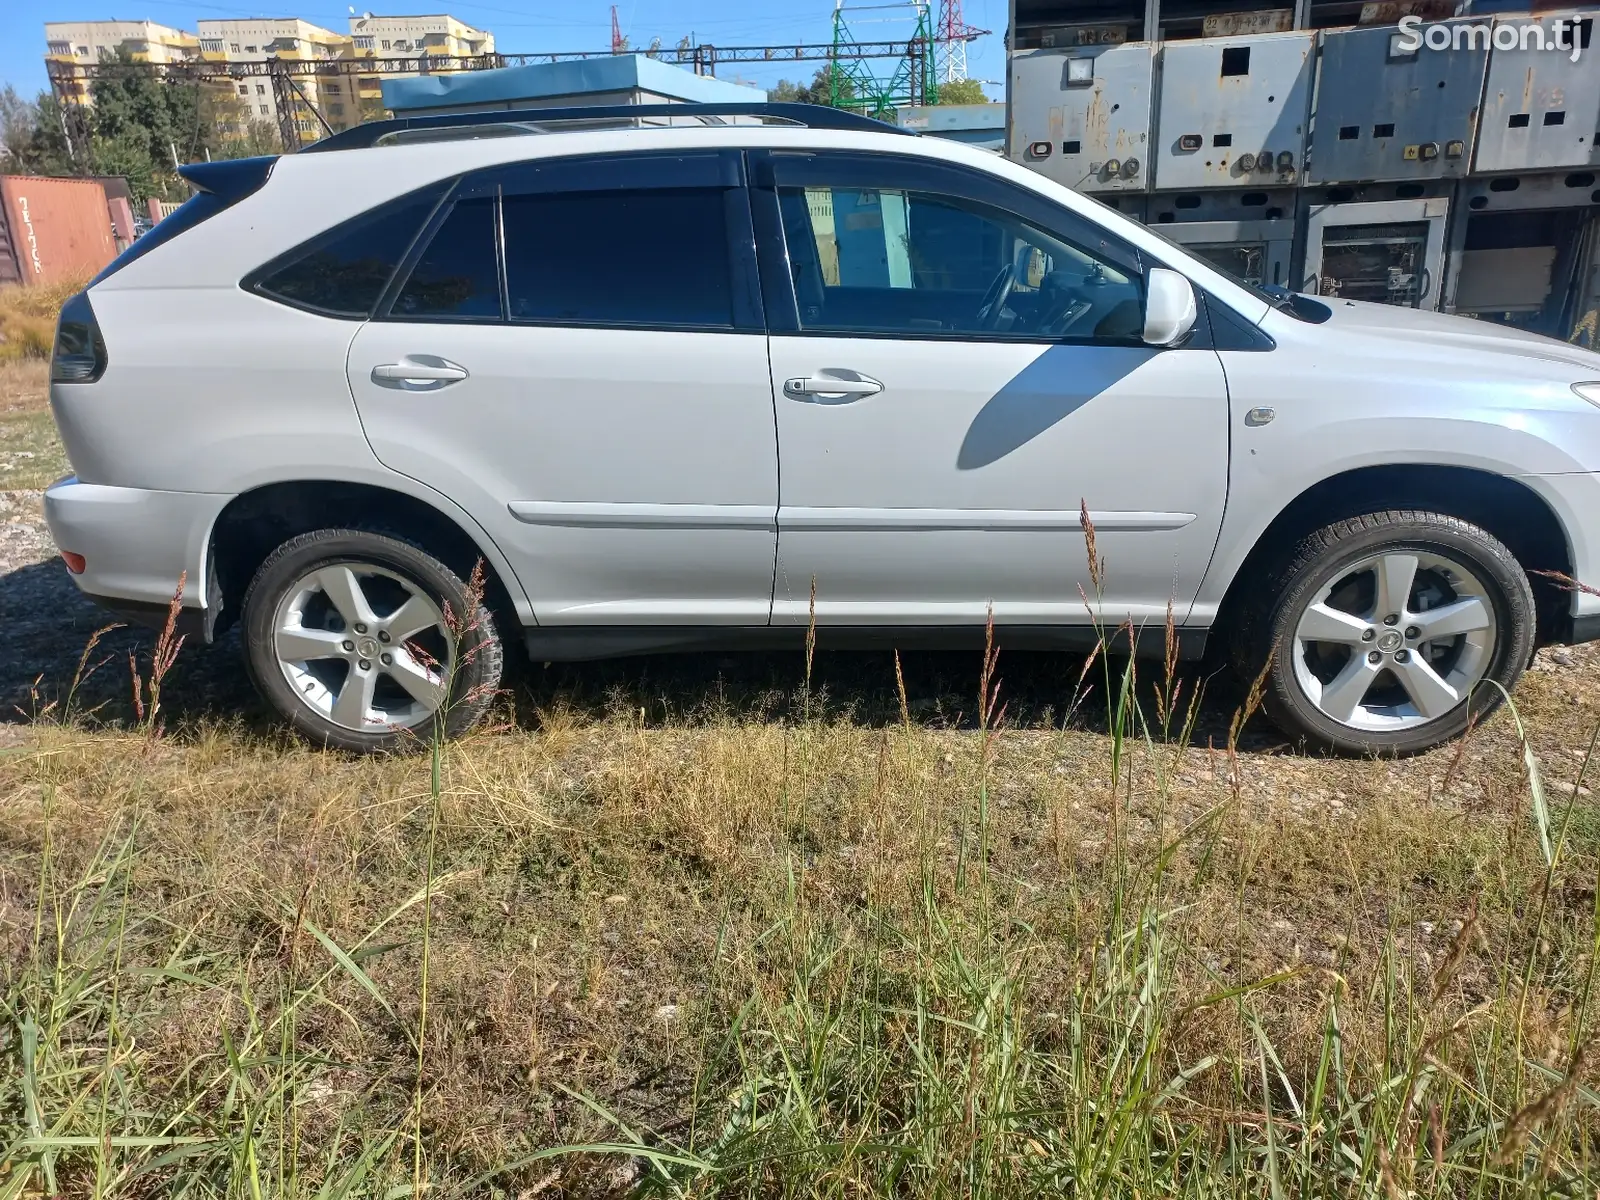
{"x":80,"y":351}
{"x":76,"y":563}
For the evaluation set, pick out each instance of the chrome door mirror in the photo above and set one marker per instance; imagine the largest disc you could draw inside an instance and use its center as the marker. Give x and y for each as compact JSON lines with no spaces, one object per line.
{"x":1169,"y":307}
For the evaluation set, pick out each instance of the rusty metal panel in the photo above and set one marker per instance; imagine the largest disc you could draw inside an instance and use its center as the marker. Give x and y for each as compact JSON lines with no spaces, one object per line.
{"x":1082,"y":116}
{"x":1233,"y":111}
{"x":10,"y":269}
{"x":1383,"y":113}
{"x":60,"y":229}
{"x":1540,"y":108}
{"x":1243,"y":24}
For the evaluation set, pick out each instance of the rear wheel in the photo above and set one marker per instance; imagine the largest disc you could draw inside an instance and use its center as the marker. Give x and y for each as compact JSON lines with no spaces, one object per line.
{"x":366,"y":642}
{"x":1389,"y":633}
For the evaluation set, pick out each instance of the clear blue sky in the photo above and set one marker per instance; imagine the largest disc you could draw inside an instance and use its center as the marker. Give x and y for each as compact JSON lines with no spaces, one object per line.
{"x":524,"y":25}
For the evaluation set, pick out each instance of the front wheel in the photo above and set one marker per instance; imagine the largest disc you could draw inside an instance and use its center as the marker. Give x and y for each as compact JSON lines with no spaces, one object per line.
{"x":1389,"y":633}
{"x":366,"y":642}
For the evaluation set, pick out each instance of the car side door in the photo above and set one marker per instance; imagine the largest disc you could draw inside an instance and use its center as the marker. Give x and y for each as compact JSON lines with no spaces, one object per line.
{"x":574,"y":349}
{"x":959,"y":373}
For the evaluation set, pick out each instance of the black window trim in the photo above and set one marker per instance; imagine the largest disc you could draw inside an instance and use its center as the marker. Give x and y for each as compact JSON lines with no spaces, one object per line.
{"x":253,"y":281}
{"x":647,"y":170}
{"x":768,"y":169}
{"x":459,"y":191}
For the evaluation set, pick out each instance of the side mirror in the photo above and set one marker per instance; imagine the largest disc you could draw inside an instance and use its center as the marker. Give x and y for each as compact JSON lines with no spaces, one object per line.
{"x":1169,"y":307}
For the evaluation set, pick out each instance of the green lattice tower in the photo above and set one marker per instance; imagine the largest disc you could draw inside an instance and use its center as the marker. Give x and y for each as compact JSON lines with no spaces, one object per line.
{"x":913,"y":79}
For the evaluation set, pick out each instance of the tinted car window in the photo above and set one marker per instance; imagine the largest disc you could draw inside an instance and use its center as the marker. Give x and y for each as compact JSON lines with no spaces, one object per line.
{"x":343,"y":272}
{"x":881,"y":260}
{"x":458,"y":275}
{"x":619,"y":257}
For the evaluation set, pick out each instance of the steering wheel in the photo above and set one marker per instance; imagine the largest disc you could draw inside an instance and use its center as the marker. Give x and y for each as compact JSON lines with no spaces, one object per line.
{"x":994,"y":299}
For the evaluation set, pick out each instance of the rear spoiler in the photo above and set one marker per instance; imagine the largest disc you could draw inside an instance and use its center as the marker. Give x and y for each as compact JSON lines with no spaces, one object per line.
{"x":217,"y":186}
{"x":229,"y":180}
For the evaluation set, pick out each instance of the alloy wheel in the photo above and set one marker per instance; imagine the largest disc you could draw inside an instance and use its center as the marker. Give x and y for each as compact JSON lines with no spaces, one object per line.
{"x":1395,"y":641}
{"x":363,"y":647}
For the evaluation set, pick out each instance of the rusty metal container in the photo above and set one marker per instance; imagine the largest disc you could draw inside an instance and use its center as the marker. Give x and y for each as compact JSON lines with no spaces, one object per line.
{"x":53,"y":230}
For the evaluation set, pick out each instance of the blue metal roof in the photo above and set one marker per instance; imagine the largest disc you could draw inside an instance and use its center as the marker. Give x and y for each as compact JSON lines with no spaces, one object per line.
{"x":615,"y":73}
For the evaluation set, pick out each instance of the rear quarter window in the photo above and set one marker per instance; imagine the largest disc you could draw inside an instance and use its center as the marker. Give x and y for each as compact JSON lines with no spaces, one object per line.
{"x":343,"y":272}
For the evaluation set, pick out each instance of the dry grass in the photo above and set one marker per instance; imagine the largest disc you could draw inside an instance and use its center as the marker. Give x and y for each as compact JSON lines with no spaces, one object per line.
{"x":28,"y":319}
{"x":769,"y":943}
{"x":30,"y":450}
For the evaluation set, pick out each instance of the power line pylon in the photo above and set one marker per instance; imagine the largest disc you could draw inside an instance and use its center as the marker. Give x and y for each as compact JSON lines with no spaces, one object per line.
{"x":951,"y":38}
{"x":912,"y":80}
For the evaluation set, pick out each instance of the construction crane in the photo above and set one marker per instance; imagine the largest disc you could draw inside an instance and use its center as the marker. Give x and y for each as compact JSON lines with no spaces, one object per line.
{"x":619,"y":44}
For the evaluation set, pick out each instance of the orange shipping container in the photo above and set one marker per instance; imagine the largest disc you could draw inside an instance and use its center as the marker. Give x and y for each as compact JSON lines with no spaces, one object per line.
{"x":53,"y":230}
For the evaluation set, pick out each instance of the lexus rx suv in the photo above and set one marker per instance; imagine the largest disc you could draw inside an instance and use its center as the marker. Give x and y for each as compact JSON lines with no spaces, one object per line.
{"x":675,"y":378}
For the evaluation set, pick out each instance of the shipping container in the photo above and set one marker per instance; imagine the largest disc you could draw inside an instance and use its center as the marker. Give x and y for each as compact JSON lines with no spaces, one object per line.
{"x":53,"y":230}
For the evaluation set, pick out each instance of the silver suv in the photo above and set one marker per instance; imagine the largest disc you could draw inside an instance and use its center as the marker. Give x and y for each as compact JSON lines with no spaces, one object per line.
{"x":686,"y":384}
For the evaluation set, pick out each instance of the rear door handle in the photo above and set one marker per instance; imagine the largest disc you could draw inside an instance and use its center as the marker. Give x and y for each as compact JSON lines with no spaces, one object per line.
{"x":419,"y":373}
{"x":828,"y":387}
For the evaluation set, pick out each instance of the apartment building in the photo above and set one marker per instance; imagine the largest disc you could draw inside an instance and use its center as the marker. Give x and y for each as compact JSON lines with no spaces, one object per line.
{"x":374,"y":36}
{"x":344,"y":96}
{"x":85,"y":42}
{"x":289,"y":39}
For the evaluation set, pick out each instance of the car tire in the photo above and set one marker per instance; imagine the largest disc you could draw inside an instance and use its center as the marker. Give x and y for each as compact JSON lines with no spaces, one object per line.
{"x":1350,"y":670}
{"x":371,"y":620}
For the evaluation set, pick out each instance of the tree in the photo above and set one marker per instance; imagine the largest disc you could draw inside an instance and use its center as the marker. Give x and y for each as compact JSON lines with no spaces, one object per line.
{"x":32,"y":136}
{"x":18,"y":118}
{"x":818,"y":91}
{"x":141,"y":124}
{"x":962,"y":91}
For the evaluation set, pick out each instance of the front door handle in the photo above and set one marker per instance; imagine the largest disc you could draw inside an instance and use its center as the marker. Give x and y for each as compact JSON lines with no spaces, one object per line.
{"x":419,"y":373}
{"x":837,"y":389}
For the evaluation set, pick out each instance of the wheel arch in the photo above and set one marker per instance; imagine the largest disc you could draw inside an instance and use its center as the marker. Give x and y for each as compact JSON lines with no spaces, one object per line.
{"x":1504,"y":506}
{"x":256,"y":522}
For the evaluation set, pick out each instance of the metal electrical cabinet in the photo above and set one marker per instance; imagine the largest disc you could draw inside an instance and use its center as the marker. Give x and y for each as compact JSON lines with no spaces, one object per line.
{"x":1082,"y":116}
{"x":1257,"y":252}
{"x":1541,"y":110}
{"x":1386,"y":114}
{"x":1233,"y":111}
{"x":1517,"y":255}
{"x":1386,"y":251}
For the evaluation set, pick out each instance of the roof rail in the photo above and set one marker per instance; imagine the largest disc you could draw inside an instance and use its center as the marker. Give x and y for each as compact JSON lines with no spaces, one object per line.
{"x":812,"y":116}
